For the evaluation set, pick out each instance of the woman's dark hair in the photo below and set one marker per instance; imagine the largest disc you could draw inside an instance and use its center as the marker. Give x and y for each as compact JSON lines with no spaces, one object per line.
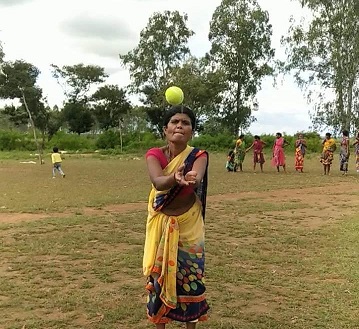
{"x":241,"y":136}
{"x":328,"y":135}
{"x":55,"y":149}
{"x":346,"y":133}
{"x":179,"y":109}
{"x":257,"y":137}
{"x":279,"y":134}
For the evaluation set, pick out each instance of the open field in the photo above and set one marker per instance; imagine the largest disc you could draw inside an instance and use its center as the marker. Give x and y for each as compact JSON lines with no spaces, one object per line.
{"x":282,"y":249}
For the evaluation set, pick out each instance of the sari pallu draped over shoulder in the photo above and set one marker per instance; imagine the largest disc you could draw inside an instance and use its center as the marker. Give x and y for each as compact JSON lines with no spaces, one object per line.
{"x":278,"y":153}
{"x":328,"y":150}
{"x":173,"y":259}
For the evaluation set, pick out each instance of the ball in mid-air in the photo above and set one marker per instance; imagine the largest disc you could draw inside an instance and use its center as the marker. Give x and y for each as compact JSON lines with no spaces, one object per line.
{"x":174,"y":95}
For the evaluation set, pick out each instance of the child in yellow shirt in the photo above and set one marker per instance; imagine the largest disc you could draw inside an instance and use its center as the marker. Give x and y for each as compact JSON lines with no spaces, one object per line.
{"x":56,"y":161}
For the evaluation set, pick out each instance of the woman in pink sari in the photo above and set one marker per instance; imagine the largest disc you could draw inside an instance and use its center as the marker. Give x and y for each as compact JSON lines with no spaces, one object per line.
{"x":278,"y":159}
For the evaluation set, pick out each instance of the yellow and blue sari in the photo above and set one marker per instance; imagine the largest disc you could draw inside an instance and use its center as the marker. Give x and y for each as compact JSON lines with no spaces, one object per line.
{"x":174,"y":254}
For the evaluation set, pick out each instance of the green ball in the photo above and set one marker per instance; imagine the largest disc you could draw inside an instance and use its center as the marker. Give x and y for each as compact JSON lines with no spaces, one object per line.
{"x":174,"y":95}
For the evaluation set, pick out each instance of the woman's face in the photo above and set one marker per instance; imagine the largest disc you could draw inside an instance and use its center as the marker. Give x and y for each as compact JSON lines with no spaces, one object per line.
{"x":300,"y":136}
{"x":277,"y":136}
{"x":179,"y":128}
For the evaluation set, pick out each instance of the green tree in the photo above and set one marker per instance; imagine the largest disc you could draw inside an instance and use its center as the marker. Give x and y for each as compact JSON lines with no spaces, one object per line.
{"x":78,"y":117}
{"x":202,"y":87}
{"x":2,"y":55}
{"x":17,"y":115}
{"x":135,"y":122}
{"x":110,"y":107}
{"x":110,"y":104}
{"x":325,"y":53}
{"x":55,"y":121}
{"x":77,"y":82}
{"x":162,"y":49}
{"x":18,"y":81}
{"x":240,"y":34}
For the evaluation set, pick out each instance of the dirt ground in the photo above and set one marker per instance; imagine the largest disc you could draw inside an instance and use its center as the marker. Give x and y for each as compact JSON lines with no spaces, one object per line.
{"x":316,"y":206}
{"x":343,"y":202}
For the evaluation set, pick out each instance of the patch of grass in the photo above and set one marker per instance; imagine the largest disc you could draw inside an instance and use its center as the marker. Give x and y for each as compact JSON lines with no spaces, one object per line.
{"x":94,"y":182}
{"x":83,"y":272}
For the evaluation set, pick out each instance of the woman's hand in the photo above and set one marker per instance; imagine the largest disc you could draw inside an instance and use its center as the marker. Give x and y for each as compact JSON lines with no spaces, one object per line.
{"x":190,"y":177}
{"x":185,"y":180}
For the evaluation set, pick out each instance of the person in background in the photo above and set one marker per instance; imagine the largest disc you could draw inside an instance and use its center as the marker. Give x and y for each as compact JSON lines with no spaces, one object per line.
{"x":278,"y":159}
{"x":329,"y":148}
{"x":356,"y":145}
{"x":56,"y":162}
{"x":344,"y":152}
{"x":230,"y":165}
{"x":300,"y":149}
{"x":174,"y":254}
{"x":240,"y":152}
{"x":258,"y":156}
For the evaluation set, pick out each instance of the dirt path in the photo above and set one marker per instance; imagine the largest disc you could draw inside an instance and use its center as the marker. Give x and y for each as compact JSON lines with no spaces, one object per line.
{"x":315,"y":200}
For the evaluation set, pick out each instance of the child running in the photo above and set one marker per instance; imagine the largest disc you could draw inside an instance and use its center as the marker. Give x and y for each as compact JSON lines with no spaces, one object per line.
{"x":56,"y":162}
{"x":258,"y":156}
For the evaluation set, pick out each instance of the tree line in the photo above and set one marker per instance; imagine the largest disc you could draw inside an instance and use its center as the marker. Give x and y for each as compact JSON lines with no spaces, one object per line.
{"x":221,"y":86}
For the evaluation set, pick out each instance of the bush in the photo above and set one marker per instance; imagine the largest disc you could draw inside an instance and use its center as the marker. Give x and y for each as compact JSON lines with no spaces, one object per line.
{"x":269,"y":140}
{"x":213,"y":143}
{"x":72,"y":142}
{"x":108,"y":140}
{"x":130,"y":142}
{"x":314,"y":145}
{"x":13,"y":140}
{"x":140,"y":142}
{"x":142,"y":146}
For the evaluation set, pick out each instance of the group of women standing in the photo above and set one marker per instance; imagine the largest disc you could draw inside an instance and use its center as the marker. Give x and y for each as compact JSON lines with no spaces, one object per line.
{"x":329,"y":147}
{"x":236,"y":157}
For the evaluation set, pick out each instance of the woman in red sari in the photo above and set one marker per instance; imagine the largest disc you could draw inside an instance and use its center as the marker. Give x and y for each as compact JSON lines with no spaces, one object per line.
{"x":278,"y":159}
{"x":258,"y":156}
{"x":300,"y":148}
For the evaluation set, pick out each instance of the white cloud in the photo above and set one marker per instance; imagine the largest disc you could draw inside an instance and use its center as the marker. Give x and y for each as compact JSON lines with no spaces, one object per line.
{"x":69,"y":32}
{"x":13,"y":2}
{"x":93,"y":26}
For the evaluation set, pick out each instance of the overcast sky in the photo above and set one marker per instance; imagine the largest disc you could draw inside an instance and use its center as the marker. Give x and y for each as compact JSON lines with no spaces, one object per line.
{"x":69,"y":32}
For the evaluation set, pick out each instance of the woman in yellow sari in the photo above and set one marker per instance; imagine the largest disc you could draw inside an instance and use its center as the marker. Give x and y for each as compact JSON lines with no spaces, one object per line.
{"x":173,"y":259}
{"x":329,"y":147}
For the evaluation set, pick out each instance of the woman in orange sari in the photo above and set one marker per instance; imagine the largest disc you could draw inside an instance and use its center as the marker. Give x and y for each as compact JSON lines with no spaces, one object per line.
{"x":329,"y":147}
{"x":300,"y":148}
{"x":173,"y":260}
